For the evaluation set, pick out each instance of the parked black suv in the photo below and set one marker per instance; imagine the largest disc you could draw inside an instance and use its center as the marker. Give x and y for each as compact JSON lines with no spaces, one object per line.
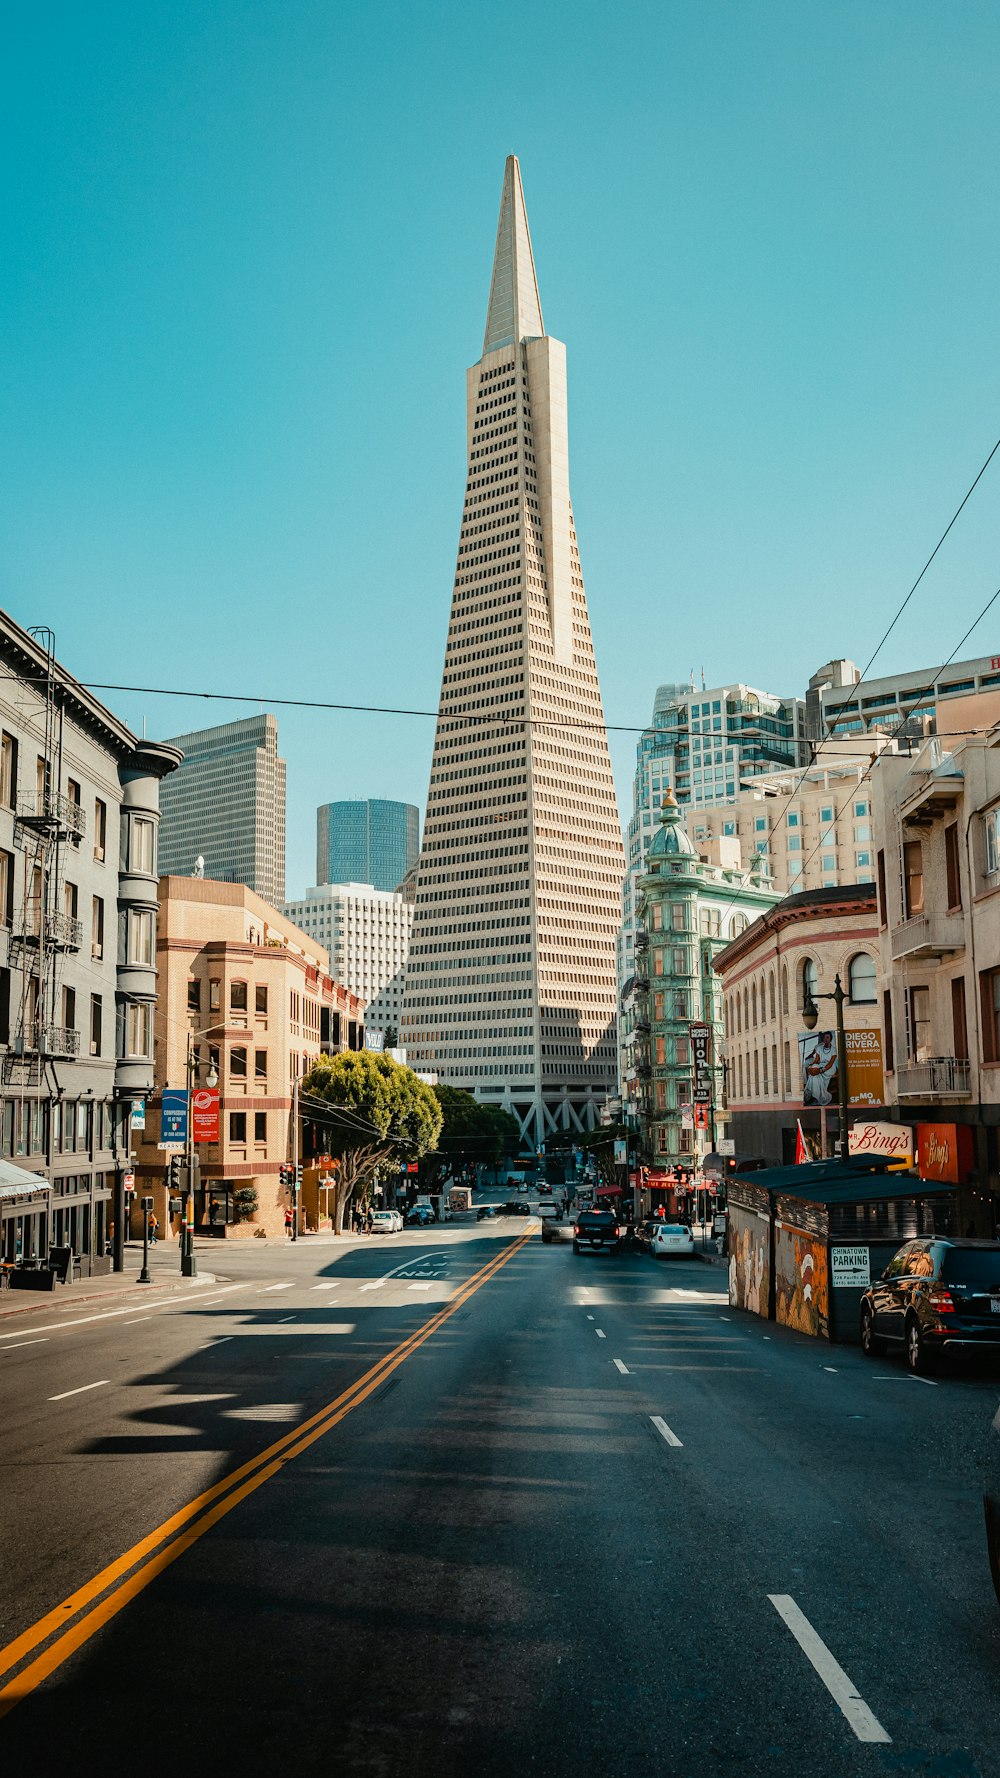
{"x":935,"y":1296}
{"x":595,"y":1228}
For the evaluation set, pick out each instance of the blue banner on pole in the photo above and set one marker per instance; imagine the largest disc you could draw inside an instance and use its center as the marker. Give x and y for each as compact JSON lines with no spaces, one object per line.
{"x":174,"y":1115}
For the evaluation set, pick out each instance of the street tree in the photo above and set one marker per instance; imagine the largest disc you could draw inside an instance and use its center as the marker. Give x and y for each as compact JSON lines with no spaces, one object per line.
{"x":380,"y":1113}
{"x":471,"y":1134}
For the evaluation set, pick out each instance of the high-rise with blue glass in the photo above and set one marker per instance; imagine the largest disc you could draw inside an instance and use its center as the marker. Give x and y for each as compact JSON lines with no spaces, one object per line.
{"x":366,"y":842}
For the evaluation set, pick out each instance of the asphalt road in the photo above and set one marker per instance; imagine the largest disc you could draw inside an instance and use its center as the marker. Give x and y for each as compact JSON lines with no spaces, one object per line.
{"x":476,"y":1505}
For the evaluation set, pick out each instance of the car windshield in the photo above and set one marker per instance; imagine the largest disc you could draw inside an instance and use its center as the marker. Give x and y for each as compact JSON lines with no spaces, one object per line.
{"x":972,"y":1266}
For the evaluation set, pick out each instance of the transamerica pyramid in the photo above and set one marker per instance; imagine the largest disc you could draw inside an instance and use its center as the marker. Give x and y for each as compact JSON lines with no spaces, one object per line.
{"x":510,"y":977}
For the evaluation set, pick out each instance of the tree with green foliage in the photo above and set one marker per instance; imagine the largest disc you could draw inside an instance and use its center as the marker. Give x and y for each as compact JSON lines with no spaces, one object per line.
{"x":471,"y":1134}
{"x":380,"y":1112}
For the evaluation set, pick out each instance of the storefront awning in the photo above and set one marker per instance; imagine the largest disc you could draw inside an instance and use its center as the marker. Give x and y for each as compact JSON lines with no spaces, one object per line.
{"x":16,"y":1183}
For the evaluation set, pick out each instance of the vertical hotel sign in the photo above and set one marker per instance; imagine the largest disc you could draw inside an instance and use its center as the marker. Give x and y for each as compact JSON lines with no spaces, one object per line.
{"x":701,"y":1056}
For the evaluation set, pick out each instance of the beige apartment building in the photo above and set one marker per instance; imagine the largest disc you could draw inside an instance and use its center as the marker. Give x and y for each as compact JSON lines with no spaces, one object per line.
{"x":253,"y":997}
{"x":793,"y":953}
{"x":937,"y":835}
{"x":810,"y":828}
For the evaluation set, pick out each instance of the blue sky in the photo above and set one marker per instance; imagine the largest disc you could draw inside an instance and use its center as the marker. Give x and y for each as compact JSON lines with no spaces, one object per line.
{"x":246,"y":262}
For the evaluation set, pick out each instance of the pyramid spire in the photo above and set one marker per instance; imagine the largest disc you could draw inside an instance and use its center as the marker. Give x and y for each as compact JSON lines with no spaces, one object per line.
{"x":511,"y":990}
{"x":515,"y":312}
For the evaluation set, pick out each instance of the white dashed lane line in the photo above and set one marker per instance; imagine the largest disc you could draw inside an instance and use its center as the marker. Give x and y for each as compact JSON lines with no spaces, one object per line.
{"x":286,"y":1286}
{"x":22,"y":1343}
{"x":866,"y":1726}
{"x":599,"y":1331}
{"x":665,"y":1432}
{"x":81,"y":1391}
{"x":328,"y":1284}
{"x":619,"y":1366}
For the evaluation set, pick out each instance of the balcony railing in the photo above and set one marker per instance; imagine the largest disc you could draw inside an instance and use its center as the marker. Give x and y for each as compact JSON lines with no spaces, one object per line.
{"x":928,"y":935}
{"x":942,"y":1077}
{"x":55,"y":814}
{"x":60,"y":1040}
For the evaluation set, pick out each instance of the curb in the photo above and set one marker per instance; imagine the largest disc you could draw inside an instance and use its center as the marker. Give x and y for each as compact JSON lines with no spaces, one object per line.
{"x":712,"y":1259}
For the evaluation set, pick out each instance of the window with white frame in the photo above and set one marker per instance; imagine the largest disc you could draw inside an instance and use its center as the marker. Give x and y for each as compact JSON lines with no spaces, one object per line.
{"x":991,"y":841}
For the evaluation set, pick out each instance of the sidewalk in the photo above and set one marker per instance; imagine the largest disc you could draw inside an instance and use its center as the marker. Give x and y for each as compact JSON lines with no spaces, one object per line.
{"x":164,"y":1272}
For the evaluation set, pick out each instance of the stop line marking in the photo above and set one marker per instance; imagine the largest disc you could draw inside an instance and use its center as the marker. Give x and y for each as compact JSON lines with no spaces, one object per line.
{"x":865,"y":1724}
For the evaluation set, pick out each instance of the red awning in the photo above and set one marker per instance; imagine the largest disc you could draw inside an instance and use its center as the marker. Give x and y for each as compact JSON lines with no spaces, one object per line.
{"x":608,"y":1191}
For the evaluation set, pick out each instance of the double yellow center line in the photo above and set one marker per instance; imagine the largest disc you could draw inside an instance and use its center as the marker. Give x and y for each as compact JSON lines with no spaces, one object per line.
{"x":70,"y":1625}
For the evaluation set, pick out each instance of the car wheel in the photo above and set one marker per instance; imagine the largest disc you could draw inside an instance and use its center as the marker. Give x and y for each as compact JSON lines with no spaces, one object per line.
{"x":918,"y":1359}
{"x":993,"y":1542}
{"x":871,"y":1344}
{"x":576,"y":1246}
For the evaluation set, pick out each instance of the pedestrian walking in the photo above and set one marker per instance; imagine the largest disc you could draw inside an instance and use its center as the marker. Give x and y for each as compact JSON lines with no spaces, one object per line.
{"x":152,"y":1224}
{"x":213,"y":1212}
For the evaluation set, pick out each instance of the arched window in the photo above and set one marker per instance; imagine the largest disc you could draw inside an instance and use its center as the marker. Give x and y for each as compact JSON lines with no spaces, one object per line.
{"x":770,"y":993}
{"x":739,"y":1074}
{"x":756,"y":1074}
{"x":861,"y":980}
{"x":753,"y":1001}
{"x":784,"y":987}
{"x":746,"y":1010}
{"x":810,"y":980}
{"x":739,"y":924}
{"x":764,"y":1060}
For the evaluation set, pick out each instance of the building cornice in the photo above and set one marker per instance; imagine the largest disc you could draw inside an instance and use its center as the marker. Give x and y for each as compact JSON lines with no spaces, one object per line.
{"x":809,"y":906}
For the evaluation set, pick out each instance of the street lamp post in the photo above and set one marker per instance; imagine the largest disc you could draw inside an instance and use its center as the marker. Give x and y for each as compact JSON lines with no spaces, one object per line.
{"x":189,"y":1265}
{"x":810,"y":1019}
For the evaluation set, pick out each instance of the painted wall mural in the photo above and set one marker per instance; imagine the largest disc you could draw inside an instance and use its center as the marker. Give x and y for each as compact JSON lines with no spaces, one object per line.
{"x":749,"y":1275}
{"x":801,"y":1282}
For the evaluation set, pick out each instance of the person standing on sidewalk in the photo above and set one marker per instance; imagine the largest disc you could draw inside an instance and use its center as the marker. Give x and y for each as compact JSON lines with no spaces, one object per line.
{"x":289,"y":1220}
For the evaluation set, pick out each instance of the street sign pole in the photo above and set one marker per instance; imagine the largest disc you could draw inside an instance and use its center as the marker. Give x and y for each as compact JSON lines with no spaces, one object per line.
{"x":295,"y":1158}
{"x":144,"y":1277}
{"x":189,"y":1265}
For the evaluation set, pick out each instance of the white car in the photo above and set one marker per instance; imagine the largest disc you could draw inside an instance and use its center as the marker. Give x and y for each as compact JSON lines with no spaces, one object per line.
{"x":673,"y":1237}
{"x":386,"y":1222}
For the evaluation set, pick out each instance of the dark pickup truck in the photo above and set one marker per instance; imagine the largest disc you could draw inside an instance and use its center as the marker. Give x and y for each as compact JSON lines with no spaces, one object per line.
{"x":595,"y":1229}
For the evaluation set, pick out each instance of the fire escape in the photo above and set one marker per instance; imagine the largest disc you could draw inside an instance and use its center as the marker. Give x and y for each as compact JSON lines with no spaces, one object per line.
{"x":45,"y":922}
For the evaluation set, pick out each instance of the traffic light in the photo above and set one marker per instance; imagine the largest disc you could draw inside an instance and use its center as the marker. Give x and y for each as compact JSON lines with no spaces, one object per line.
{"x":285,"y":1175}
{"x":174,"y":1169}
{"x":297,"y":1176}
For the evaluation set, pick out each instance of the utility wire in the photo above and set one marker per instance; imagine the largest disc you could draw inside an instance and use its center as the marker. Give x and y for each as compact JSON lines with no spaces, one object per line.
{"x":904,"y":719}
{"x":830,"y":740}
